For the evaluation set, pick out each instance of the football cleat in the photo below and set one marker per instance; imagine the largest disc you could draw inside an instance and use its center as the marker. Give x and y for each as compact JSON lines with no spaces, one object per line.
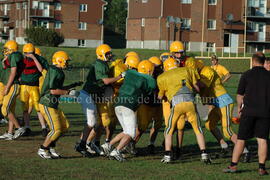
{"x":117,"y":155}
{"x":27,"y":132}
{"x":89,"y":149}
{"x":230,"y":169}
{"x":205,"y":158}
{"x":3,"y":121}
{"x":54,"y":154}
{"x":19,"y":132}
{"x":82,"y":150}
{"x":166,"y":159}
{"x":6,"y":136}
{"x":262,"y":172}
{"x":130,"y":148}
{"x":44,"y":154}
{"x":95,"y":148}
{"x":106,"y":149}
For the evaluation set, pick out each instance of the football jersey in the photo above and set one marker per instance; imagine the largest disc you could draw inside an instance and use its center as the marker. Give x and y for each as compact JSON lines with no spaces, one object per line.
{"x":170,"y":82}
{"x":135,"y":88}
{"x":221,"y":70}
{"x":54,"y":80}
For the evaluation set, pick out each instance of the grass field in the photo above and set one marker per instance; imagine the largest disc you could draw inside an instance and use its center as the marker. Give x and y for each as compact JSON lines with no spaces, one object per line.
{"x":19,"y":159}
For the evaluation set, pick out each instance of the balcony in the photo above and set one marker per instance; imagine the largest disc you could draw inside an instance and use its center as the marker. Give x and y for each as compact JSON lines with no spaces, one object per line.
{"x":4,"y":16}
{"x":255,"y":13}
{"x":256,"y":37}
{"x":41,"y":14}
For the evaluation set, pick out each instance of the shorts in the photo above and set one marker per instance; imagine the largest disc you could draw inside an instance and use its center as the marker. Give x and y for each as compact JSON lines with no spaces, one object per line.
{"x":250,"y":127}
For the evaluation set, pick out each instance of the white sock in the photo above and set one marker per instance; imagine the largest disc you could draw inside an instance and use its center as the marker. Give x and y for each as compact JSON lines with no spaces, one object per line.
{"x":245,"y":151}
{"x":43,"y":127}
{"x":224,"y":146}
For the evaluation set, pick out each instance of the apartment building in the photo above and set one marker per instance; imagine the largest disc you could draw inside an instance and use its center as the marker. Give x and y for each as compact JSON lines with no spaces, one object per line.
{"x":80,"y":21}
{"x":208,"y":25}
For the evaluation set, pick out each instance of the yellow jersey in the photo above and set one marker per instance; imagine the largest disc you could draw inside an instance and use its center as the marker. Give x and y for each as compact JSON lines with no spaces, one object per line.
{"x":221,"y":70}
{"x":213,"y":83}
{"x":116,"y":68}
{"x":170,"y":82}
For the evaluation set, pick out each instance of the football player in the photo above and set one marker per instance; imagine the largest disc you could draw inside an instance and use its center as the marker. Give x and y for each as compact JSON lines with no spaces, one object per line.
{"x":222,"y":72}
{"x":151,"y":111}
{"x":136,"y":85}
{"x":94,"y":96}
{"x":29,"y":95}
{"x":13,"y":62}
{"x":52,"y":89}
{"x":178,"y":84}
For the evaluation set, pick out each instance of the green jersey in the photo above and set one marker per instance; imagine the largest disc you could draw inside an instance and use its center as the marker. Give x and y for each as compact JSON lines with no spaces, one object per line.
{"x":54,"y":80}
{"x":94,"y":84}
{"x":15,"y":59}
{"x":135,"y":88}
{"x":30,"y":75}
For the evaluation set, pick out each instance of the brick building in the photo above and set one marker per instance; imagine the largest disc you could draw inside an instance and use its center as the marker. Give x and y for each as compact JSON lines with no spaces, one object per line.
{"x":80,"y":21}
{"x":215,"y":25}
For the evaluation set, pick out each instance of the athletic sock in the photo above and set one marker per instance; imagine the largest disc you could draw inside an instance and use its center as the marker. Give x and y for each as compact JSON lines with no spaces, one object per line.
{"x":45,"y":148}
{"x":168,"y":153}
{"x":107,"y":141}
{"x":233,"y":164}
{"x":43,"y":126}
{"x":262,"y":166}
{"x":203,"y":151}
{"x":53,"y":144}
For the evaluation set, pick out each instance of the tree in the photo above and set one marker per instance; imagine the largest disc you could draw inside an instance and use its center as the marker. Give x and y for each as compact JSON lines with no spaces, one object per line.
{"x":41,"y":36}
{"x":115,"y":16}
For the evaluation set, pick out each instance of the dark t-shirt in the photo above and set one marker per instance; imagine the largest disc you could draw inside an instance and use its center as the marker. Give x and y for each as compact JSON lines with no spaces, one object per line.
{"x":254,"y":85}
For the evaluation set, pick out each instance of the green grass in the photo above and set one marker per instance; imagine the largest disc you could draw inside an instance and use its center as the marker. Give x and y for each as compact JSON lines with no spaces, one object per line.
{"x":18,"y":159}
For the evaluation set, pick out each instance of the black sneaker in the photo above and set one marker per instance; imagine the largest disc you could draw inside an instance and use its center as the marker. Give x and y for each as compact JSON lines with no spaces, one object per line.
{"x":44,"y":132}
{"x":151,"y":149}
{"x":82,"y":150}
{"x":27,"y":132}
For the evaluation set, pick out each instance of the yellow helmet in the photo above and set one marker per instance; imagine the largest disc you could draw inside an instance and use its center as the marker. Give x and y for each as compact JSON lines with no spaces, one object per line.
{"x":155,"y":60}
{"x":28,"y":48}
{"x":169,"y":64}
{"x":37,"y":51}
{"x":102,"y":50}
{"x":146,"y":67}
{"x":10,"y":47}
{"x":164,"y":56}
{"x":132,"y":53}
{"x":60,"y":58}
{"x":176,"y":46}
{"x":132,"y":62}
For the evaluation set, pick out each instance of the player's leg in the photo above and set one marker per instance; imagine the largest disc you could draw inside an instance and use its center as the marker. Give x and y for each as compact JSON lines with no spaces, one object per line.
{"x":24,"y":97}
{"x":194,"y":120}
{"x":144,"y":117}
{"x":8,"y":110}
{"x":2,"y":118}
{"x":180,"y":135}
{"x":169,"y":130}
{"x":157,"y":124}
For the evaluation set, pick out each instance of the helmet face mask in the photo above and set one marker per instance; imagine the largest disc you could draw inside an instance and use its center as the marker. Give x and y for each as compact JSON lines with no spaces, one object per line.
{"x":61,"y":60}
{"x":10,"y":47}
{"x":108,"y":56}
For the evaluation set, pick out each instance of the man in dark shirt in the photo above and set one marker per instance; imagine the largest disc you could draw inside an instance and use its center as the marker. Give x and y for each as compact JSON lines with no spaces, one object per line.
{"x":253,"y":98}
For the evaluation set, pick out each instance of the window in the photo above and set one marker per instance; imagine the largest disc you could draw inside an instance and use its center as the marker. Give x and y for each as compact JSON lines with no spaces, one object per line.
{"x":17,"y":23}
{"x":212,"y":2}
{"x":252,"y":27}
{"x":18,"y":5}
{"x":82,"y":25}
{"x":186,"y":23}
{"x":144,"y":1}
{"x":211,"y":24}
{"x":186,"y":1}
{"x":24,"y":5}
{"x":44,"y":24}
{"x":41,"y":5}
{"x":35,"y":4}
{"x":83,"y":7}
{"x":187,"y":46}
{"x":57,"y":25}
{"x":143,"y":22}
{"x":210,"y":47}
{"x":81,"y":42}
{"x":58,"y":6}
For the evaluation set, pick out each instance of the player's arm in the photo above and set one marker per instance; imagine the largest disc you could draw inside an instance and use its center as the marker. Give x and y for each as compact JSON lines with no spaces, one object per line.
{"x":107,"y":81}
{"x":240,"y":94}
{"x":226,"y":77}
{"x":59,"y":92}
{"x":10,"y":80}
{"x":161,"y":88}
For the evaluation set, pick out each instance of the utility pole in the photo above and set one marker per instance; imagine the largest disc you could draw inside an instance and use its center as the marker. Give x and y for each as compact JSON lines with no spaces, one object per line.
{"x":245,"y":29}
{"x":203,"y":19}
